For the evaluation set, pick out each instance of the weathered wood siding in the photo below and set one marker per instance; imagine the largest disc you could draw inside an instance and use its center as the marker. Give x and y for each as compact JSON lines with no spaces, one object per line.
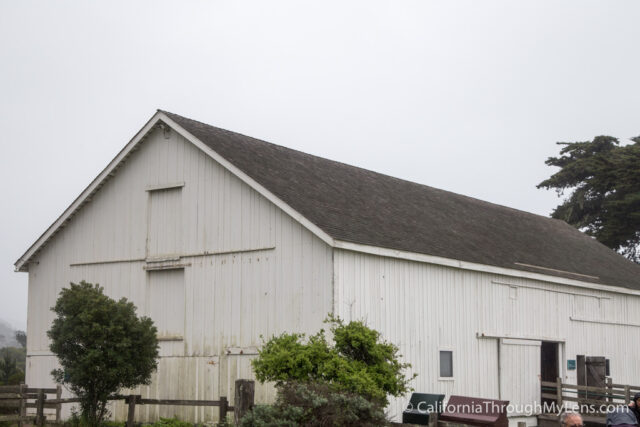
{"x":251,"y":270}
{"x":426,"y":308}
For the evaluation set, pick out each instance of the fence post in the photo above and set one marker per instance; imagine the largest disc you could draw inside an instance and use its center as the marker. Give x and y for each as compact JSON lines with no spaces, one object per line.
{"x":23,"y":404}
{"x":40,"y":407}
{"x":610,"y":390}
{"x":224,"y":407}
{"x":131,"y":415}
{"x":627,"y":395}
{"x":243,"y":402}
{"x":559,"y":393}
{"x":59,"y":405}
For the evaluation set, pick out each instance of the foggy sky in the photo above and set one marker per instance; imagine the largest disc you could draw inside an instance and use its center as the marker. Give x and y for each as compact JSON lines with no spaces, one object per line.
{"x":467,"y":96}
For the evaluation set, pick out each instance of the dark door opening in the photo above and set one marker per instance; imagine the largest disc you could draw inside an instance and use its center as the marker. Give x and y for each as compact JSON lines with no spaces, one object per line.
{"x":549,"y":361}
{"x":549,"y":369}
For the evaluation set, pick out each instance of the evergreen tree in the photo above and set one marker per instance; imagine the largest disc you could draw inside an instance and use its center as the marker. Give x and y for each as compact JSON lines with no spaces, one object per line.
{"x":603,"y":181}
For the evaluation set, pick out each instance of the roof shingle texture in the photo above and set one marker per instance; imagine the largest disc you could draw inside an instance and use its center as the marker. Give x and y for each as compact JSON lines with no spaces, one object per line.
{"x":360,"y":206}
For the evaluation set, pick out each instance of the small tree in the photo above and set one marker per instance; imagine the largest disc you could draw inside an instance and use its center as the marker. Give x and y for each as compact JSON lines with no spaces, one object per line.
{"x":102,"y":346}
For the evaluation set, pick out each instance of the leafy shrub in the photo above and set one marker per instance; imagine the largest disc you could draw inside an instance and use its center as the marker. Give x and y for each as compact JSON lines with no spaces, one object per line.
{"x":273,"y":416}
{"x":316,"y":404}
{"x":359,"y":361}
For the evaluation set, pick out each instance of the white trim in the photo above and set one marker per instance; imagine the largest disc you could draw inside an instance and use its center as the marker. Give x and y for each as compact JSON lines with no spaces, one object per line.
{"x":451,"y":350}
{"x":557,"y":291}
{"x":160,"y":187}
{"x":555,"y":270}
{"x":464,"y":265}
{"x":482,"y":335}
{"x":165,"y":266}
{"x":85,"y":196}
{"x":518,"y":341}
{"x":249,"y":181}
{"x":603,"y":322}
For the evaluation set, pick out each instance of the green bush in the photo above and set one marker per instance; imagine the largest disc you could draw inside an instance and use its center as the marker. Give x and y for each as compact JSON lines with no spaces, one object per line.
{"x":315,"y":404}
{"x":359,"y":361}
{"x":272,"y":416}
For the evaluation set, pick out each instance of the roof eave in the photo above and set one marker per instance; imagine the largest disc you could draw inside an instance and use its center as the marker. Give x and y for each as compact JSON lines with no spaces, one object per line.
{"x":21,"y":265}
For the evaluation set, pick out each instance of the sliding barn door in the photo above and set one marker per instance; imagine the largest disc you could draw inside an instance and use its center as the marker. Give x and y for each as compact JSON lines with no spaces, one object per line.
{"x":519,"y":373}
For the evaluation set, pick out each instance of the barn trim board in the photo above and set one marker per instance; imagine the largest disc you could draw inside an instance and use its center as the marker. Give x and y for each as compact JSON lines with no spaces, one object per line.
{"x":219,"y":255}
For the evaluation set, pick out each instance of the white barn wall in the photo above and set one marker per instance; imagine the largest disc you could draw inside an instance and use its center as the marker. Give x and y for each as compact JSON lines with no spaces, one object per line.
{"x":251,"y":270}
{"x":425,"y":308}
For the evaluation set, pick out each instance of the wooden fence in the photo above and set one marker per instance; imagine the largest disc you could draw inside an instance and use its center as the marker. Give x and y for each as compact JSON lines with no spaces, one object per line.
{"x":22,"y":397}
{"x":592,"y":402}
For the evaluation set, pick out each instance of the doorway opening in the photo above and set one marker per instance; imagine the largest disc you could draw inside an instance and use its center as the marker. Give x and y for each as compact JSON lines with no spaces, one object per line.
{"x":549,"y":369}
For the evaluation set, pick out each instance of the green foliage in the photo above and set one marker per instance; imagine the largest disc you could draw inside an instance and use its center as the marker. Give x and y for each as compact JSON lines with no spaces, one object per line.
{"x":102,"y":346}
{"x":12,"y":364}
{"x":21,"y":337}
{"x":316,"y":404}
{"x":170,"y":422}
{"x":16,"y":379}
{"x":604,"y":180}
{"x":273,"y":416}
{"x":358,"y":362}
{"x":7,"y":366}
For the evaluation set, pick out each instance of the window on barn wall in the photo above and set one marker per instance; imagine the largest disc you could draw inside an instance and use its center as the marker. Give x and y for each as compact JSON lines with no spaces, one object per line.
{"x":164,"y":231}
{"x":446,"y":364}
{"x":167,"y":302}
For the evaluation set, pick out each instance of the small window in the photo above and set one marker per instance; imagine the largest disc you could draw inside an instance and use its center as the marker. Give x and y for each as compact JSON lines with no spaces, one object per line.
{"x":446,"y":364}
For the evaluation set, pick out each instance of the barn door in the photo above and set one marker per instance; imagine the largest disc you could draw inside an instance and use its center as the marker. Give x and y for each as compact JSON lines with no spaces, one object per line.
{"x":519,"y":370}
{"x":164,"y":228}
{"x":592,"y":372}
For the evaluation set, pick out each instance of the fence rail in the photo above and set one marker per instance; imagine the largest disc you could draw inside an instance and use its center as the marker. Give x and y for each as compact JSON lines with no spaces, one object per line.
{"x":598,"y":399}
{"x":21,"y":397}
{"x":17,"y":397}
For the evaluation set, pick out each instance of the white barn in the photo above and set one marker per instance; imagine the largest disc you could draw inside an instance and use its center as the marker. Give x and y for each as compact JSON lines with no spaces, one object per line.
{"x":221,"y":238}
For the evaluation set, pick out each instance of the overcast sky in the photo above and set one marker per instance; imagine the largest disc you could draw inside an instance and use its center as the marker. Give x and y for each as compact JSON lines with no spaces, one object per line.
{"x":468,"y":96}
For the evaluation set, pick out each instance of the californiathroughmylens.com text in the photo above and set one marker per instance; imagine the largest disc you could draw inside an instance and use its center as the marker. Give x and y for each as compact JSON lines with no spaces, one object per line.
{"x":528,"y":409}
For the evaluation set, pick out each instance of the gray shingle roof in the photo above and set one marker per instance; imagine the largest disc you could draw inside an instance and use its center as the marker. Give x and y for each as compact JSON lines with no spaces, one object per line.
{"x":361,"y":206}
